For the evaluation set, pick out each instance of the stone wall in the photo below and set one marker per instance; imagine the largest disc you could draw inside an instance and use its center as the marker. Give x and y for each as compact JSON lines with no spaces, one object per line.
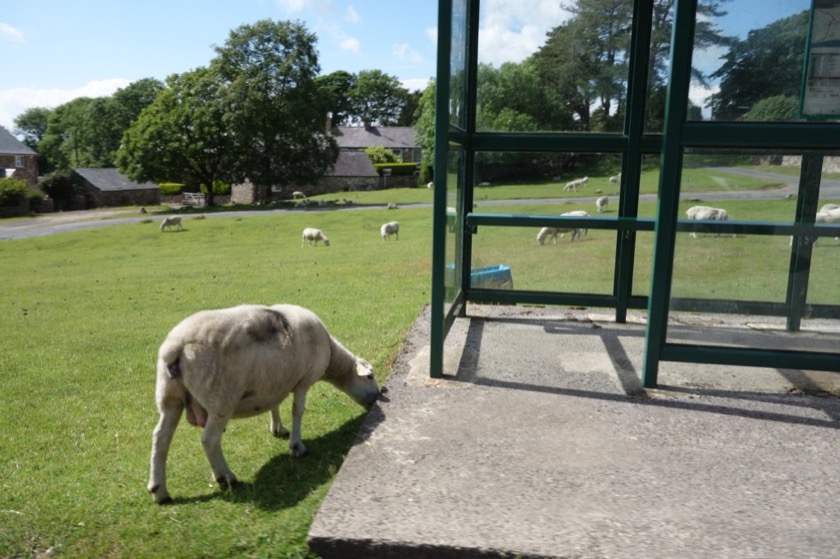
{"x":29,"y":172}
{"x":830,"y":164}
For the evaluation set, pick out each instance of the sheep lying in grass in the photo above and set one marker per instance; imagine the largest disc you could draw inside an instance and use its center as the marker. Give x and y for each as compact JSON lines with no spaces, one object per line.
{"x":390,"y":228}
{"x":170,"y":222}
{"x":706,"y":213}
{"x":616,"y":178}
{"x":240,"y":362}
{"x":601,"y":203}
{"x":313,"y":236}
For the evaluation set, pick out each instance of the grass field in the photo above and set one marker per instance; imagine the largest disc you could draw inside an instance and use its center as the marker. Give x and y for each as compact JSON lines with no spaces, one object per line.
{"x":83,"y":315}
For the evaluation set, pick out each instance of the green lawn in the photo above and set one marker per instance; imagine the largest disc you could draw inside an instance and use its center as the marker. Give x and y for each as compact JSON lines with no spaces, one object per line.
{"x":83,"y":315}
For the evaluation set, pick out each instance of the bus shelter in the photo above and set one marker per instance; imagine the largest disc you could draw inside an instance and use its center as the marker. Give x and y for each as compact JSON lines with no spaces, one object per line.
{"x":642,"y":138}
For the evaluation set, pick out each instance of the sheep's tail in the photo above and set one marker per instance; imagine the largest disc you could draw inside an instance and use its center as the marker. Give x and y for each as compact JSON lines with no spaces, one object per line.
{"x":170,"y":357}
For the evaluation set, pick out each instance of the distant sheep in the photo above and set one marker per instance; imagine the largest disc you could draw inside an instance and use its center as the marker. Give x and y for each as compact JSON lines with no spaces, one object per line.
{"x":392,"y":206}
{"x":390,"y":228}
{"x":313,"y":236}
{"x":430,"y":185}
{"x":572,"y":186}
{"x":829,"y":213}
{"x":240,"y":362}
{"x":706,"y":213}
{"x":601,"y":203}
{"x":616,"y":178}
{"x":551,"y":233}
{"x":170,"y":222}
{"x":298,"y":195}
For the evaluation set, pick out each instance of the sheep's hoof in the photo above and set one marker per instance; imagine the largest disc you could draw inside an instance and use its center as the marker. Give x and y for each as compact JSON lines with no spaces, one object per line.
{"x":226,"y":481}
{"x":281,"y":433}
{"x":298,"y":450}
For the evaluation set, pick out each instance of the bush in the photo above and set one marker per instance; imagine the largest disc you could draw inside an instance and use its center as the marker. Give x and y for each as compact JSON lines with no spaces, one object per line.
{"x":36,"y":197}
{"x":63,"y":187}
{"x":396,"y":168}
{"x":171,"y":188}
{"x":381,"y":154}
{"x":12,"y":192}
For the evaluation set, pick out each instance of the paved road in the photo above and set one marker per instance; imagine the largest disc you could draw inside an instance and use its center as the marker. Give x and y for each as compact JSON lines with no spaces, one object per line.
{"x":51,"y":224}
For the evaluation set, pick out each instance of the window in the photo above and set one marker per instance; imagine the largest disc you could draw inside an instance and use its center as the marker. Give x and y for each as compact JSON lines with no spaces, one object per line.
{"x":20,"y":162}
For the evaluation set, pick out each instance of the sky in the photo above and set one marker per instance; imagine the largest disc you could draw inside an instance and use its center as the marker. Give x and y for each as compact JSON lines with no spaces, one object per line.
{"x":56,"y":50}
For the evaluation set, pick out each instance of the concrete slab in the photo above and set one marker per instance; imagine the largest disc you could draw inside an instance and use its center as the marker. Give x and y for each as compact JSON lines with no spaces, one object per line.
{"x":542,"y":443}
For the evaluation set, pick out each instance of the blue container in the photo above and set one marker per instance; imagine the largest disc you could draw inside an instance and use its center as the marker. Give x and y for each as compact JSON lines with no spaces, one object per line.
{"x":498,"y":277}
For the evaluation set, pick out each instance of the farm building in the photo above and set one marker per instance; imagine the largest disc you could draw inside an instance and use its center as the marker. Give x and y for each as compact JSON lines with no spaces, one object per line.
{"x":109,"y":187}
{"x":17,"y":160}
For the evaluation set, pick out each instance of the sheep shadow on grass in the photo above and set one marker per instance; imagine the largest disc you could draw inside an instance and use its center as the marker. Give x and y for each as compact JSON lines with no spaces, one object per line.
{"x":284,"y":481}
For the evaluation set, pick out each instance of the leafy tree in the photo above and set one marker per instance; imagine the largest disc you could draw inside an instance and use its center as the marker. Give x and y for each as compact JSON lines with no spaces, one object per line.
{"x":767,"y":63}
{"x":424,"y":128}
{"x":275,"y":117}
{"x":32,"y":125}
{"x":777,"y":108}
{"x":408,"y":113}
{"x":335,"y":89}
{"x":62,"y":187}
{"x":182,"y":136}
{"x":377,"y":98}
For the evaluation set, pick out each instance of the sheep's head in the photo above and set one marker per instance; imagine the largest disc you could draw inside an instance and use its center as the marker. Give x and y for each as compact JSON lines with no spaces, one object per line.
{"x":326,"y":242}
{"x":363,"y":388}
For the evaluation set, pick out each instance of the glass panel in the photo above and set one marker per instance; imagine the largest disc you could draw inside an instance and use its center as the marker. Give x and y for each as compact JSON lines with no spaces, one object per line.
{"x":525,"y":259}
{"x":752,"y":66}
{"x":659,"y":65}
{"x":458,"y":65}
{"x":454,"y":192}
{"x":552,"y":66}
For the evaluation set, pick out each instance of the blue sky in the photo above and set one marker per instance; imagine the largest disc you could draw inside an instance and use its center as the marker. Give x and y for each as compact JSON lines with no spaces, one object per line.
{"x":57,"y":50}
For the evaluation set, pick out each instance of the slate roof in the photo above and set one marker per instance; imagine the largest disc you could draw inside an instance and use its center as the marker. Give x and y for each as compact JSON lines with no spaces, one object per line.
{"x":391,"y":137}
{"x":9,"y":145}
{"x":353,"y":164}
{"x":111,"y":180}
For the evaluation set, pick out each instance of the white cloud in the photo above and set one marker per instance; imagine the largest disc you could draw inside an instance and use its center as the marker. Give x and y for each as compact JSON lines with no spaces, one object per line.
{"x":13,"y":102}
{"x":12,"y":33}
{"x":432,"y":34}
{"x":512,"y":31}
{"x":405,"y":53}
{"x":413,"y":84}
{"x":351,"y":15}
{"x":699,"y":95}
{"x":350,"y":44}
{"x":293,"y":5}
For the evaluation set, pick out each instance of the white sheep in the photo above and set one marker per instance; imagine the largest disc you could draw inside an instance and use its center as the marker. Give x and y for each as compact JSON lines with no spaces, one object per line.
{"x":313,"y":236}
{"x":551,"y":232}
{"x":616,"y":178}
{"x":170,"y":222}
{"x":241,"y":362}
{"x":575,"y":184}
{"x":828,"y":207}
{"x":390,"y":228}
{"x":430,"y":185}
{"x":706,"y":213}
{"x":829,"y":213}
{"x":601,"y":203}
{"x":392,"y":206}
{"x":298,"y":195}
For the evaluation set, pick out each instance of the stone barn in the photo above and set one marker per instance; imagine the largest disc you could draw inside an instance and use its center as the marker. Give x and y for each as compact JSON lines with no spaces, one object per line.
{"x":109,"y":187}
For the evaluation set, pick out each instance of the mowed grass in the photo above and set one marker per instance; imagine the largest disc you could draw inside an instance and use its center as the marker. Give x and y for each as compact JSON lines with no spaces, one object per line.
{"x":83,"y":315}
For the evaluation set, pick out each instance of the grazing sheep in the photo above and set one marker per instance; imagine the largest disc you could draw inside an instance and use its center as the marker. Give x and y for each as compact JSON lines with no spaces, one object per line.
{"x":240,"y":362}
{"x":706,"y":213}
{"x":430,"y":185}
{"x":828,"y":207}
{"x":390,"y":228}
{"x":616,"y":178}
{"x":829,"y":213}
{"x":313,"y":236}
{"x":601,"y":203}
{"x":170,"y":222}
{"x":298,"y":195}
{"x":572,"y":186}
{"x":552,"y":232}
{"x":392,"y":206}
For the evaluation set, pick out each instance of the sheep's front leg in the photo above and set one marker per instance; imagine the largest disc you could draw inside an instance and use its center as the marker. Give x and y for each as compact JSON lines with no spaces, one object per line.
{"x":276,"y":426}
{"x":211,"y":440}
{"x":170,"y":415}
{"x":296,"y":441}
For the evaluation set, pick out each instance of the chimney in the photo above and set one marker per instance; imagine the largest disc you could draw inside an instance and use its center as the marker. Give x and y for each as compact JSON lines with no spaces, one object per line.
{"x":367,"y":125}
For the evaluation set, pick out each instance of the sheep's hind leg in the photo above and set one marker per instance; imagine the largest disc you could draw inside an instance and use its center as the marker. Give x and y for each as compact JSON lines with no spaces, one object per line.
{"x":211,"y":440}
{"x":161,"y":440}
{"x":298,"y":405}
{"x":277,"y":428}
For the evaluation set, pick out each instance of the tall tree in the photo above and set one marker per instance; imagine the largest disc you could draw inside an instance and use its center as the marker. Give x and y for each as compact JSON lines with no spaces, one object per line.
{"x":377,"y":98}
{"x":182,"y":135}
{"x":768,"y":63}
{"x":276,"y":113}
{"x":335,"y":89}
{"x":32,"y":125}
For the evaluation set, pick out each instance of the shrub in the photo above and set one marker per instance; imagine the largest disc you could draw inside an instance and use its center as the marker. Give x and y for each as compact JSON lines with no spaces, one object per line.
{"x":171,"y":188}
{"x":381,"y":154}
{"x":62,"y":186}
{"x":12,"y":192}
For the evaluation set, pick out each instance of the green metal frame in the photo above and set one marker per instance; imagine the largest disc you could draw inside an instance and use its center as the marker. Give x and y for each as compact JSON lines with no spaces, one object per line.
{"x":809,"y":139}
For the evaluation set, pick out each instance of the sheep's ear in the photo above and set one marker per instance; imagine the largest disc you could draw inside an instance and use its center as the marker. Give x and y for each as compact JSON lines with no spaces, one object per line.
{"x":363,"y":368}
